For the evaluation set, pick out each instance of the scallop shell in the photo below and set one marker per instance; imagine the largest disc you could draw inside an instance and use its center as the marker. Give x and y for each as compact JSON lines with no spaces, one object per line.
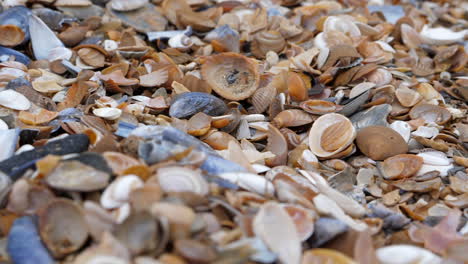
{"x":12,"y":35}
{"x":108,"y":113}
{"x":118,"y":192}
{"x":14,"y":100}
{"x":179,"y":179}
{"x":62,"y":227}
{"x":263,"y":97}
{"x":331,"y":134}
{"x":231,"y":75}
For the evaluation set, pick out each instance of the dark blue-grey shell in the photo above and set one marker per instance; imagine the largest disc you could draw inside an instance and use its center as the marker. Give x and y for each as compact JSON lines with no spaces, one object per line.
{"x":188,"y":104}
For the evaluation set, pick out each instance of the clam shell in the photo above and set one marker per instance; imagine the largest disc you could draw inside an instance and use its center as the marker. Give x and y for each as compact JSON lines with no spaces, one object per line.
{"x":108,"y":113}
{"x":42,"y":38}
{"x":11,"y":35}
{"x":402,"y":128}
{"x":231,"y":75}
{"x":179,"y":179}
{"x":430,"y":113}
{"x":331,"y":134}
{"x":436,"y":158}
{"x":292,"y":118}
{"x":303,"y":219}
{"x":360,"y":88}
{"x":324,"y":255}
{"x":401,"y":166}
{"x":342,"y":24}
{"x":319,"y":107}
{"x":76,"y":176}
{"x":14,"y":100}
{"x":407,"y":97}
{"x":441,"y":35}
{"x":118,"y":192}
{"x":379,"y":142}
{"x":187,"y":104}
{"x":63,"y":227}
{"x":47,"y":86}
{"x":139,"y":233}
{"x":92,"y":57}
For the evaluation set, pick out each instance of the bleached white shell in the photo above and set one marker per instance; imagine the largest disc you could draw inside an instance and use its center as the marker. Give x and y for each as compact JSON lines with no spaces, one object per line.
{"x":127,"y":5}
{"x":361,"y":88}
{"x":179,"y":179}
{"x":42,"y":38}
{"x":59,"y":53}
{"x":14,"y":100}
{"x":342,"y":24}
{"x":110,"y":45}
{"x":118,"y":192}
{"x":251,"y":182}
{"x":406,"y":254}
{"x":3,"y":125}
{"x":180,"y":41}
{"x":426,"y":132}
{"x":443,"y":170}
{"x":318,"y":128}
{"x":441,"y":35}
{"x":402,"y":128}
{"x":434,"y":158}
{"x":108,"y":113}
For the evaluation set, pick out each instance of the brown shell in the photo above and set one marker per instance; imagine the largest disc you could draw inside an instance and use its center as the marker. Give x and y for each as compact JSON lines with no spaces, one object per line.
{"x":231,"y":75}
{"x":62,"y":227}
{"x":430,"y":113}
{"x":73,"y":35}
{"x":11,"y":35}
{"x":379,"y":142}
{"x":298,"y":86}
{"x":401,"y":166}
{"x":320,"y":107}
{"x":292,"y":118}
{"x":92,"y":57}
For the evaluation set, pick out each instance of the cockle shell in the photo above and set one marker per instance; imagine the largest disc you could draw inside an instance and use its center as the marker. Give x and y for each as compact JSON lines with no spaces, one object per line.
{"x":180,"y":179}
{"x":231,"y":75}
{"x":118,"y":192}
{"x":330,"y":134}
{"x":14,"y":100}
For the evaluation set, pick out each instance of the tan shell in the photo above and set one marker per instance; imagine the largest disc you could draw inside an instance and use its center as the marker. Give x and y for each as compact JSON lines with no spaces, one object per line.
{"x":401,"y":166}
{"x":407,"y":97}
{"x":267,"y":41}
{"x":179,"y":179}
{"x":231,"y":75}
{"x":11,"y":35}
{"x":92,"y":57}
{"x":379,"y":142}
{"x":323,"y":255}
{"x":47,"y":86}
{"x":331,"y":134}
{"x":62,"y":227}
{"x":292,"y":118}
{"x":320,"y":107}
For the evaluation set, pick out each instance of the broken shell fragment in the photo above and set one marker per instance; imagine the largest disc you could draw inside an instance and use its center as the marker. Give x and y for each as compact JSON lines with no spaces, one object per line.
{"x":63,"y":227}
{"x":76,"y":176}
{"x":331,"y":134}
{"x":108,"y":113}
{"x":401,"y":166}
{"x":430,"y":113}
{"x":118,"y":192}
{"x":14,"y":100}
{"x":233,"y":76}
{"x":379,"y":142}
{"x":323,"y":255}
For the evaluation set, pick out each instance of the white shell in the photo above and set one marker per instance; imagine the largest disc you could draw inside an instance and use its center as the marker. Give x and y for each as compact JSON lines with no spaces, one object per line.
{"x":441,"y":36}
{"x":110,"y":45}
{"x":108,"y":113}
{"x":406,"y":254}
{"x":180,"y":179}
{"x":402,"y":128}
{"x":436,"y":158}
{"x":3,"y":125}
{"x":118,"y":192}
{"x":180,"y":41}
{"x":426,"y":132}
{"x":59,"y":53}
{"x":127,"y":5}
{"x":14,"y":100}
{"x":251,"y":182}
{"x":318,"y":128}
{"x":42,"y":38}
{"x":443,"y":170}
{"x":361,"y":88}
{"x":342,"y":24}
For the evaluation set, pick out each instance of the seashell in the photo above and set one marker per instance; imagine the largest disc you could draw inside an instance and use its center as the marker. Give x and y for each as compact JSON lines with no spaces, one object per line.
{"x":407,"y":97}
{"x":401,"y":166}
{"x":379,"y":142}
{"x":233,"y":76}
{"x":24,"y":243}
{"x":108,"y":113}
{"x":410,"y":37}
{"x":402,"y":128}
{"x":73,"y":3}
{"x":12,"y":35}
{"x":441,"y":35}
{"x":14,"y":100}
{"x":153,"y":79}
{"x":331,"y":134}
{"x":139,"y":233}
{"x":37,"y":117}
{"x":430,"y":113}
{"x":292,"y":118}
{"x":374,"y":116}
{"x":42,"y":38}
{"x":280,"y":235}
{"x":18,"y":16}
{"x":277,"y":145}
{"x":47,"y":86}
{"x":303,"y":219}
{"x":428,"y":92}
{"x":325,"y":230}
{"x":298,"y":86}
{"x":181,"y":41}
{"x":324,"y":255}
{"x":3,"y":125}
{"x":436,"y":158}
{"x":125,"y":5}
{"x":92,"y":57}
{"x":225,"y":36}
{"x":14,"y":55}
{"x":406,"y":254}
{"x":265,"y":41}
{"x":426,"y":132}
{"x":76,"y":176}
{"x":194,"y":251}
{"x":187,"y":104}
{"x":340,"y":56}
{"x":62,"y":227}
{"x":199,"y":124}
{"x":118,"y":192}
{"x":263,"y":97}
{"x":319,"y":107}
{"x":250,"y":182}
{"x":380,"y":77}
{"x":360,"y":88}
{"x":179,"y":179}
{"x":342,"y":24}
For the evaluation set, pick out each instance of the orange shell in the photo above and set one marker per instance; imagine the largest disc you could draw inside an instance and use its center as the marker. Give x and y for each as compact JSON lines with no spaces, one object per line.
{"x":231,"y":75}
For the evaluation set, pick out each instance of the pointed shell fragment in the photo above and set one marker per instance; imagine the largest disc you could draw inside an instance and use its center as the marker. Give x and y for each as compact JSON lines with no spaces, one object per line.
{"x":231,"y":75}
{"x":331,"y":134}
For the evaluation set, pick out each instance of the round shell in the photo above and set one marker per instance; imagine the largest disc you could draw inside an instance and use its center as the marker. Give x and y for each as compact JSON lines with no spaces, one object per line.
{"x":379,"y":142}
{"x":401,"y":166}
{"x":14,"y":100}
{"x":331,"y":134}
{"x":233,"y":76}
{"x":12,"y":35}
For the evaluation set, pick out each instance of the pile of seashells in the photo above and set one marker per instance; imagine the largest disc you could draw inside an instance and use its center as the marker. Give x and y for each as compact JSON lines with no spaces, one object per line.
{"x":229,"y":132}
